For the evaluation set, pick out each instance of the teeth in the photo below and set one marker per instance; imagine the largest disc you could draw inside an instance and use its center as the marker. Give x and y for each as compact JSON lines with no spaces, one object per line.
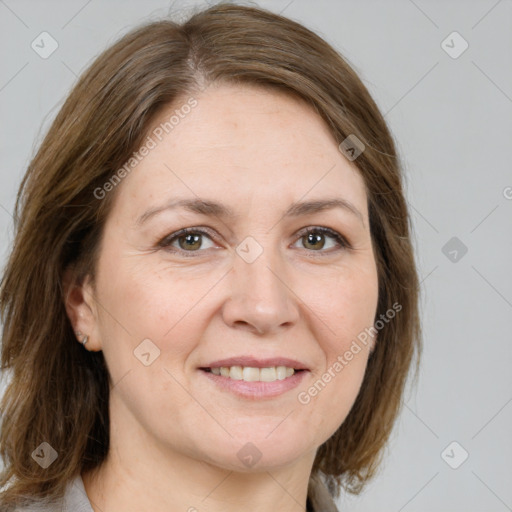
{"x":235,"y":372}
{"x":251,"y":374}
{"x":268,"y":374}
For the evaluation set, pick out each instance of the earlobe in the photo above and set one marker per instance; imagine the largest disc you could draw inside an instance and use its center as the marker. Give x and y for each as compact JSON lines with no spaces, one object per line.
{"x":80,"y":308}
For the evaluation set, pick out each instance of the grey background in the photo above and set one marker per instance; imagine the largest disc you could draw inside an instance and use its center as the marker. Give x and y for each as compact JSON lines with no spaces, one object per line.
{"x":452,"y":118}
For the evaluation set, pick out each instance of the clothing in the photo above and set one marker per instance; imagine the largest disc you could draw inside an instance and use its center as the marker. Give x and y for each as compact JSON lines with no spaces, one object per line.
{"x":319,"y":496}
{"x":76,"y":500}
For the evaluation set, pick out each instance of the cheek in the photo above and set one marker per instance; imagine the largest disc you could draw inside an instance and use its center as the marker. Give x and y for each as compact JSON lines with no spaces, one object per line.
{"x":344,"y":310}
{"x":326,"y":403}
{"x":144,"y":302}
{"x":138,"y":298}
{"x":143,"y":314}
{"x":345,"y":305}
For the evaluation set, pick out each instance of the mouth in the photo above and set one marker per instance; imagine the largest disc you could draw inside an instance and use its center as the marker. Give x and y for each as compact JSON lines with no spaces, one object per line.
{"x":255,"y":379}
{"x":254,"y":374}
{"x":250,"y":368}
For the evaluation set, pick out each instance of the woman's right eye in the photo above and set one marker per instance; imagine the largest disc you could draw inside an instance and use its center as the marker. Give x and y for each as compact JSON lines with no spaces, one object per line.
{"x":189,"y":240}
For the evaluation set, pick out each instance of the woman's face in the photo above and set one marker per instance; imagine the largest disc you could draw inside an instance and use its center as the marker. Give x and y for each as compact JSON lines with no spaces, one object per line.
{"x":248,"y":281}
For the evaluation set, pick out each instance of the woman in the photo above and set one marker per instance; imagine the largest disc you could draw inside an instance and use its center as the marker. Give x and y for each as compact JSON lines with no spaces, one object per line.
{"x":212,"y":299}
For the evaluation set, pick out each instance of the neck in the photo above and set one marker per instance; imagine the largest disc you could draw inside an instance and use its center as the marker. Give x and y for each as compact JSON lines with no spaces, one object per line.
{"x":194,"y":486}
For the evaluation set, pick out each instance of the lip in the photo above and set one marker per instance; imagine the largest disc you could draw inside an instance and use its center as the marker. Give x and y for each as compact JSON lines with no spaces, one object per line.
{"x":255,"y":390}
{"x":255,"y":362}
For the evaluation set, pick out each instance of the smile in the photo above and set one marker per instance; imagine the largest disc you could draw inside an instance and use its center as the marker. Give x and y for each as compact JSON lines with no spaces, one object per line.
{"x":252,"y":374}
{"x":254,"y":383}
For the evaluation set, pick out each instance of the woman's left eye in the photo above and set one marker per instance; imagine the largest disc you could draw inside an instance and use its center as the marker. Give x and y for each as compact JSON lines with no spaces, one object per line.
{"x":190,"y":240}
{"x":316,"y":236}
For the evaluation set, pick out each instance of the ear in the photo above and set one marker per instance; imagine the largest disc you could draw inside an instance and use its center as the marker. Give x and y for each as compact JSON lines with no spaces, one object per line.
{"x":80,"y":304}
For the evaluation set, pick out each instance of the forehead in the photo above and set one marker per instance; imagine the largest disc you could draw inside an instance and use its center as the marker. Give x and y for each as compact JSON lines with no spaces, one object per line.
{"x":242,"y":143}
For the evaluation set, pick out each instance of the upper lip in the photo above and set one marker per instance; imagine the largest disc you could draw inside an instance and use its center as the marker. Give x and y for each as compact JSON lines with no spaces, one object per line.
{"x":257,"y":362}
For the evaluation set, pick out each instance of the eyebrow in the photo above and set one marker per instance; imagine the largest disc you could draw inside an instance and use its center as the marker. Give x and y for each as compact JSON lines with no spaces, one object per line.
{"x":212,"y":208}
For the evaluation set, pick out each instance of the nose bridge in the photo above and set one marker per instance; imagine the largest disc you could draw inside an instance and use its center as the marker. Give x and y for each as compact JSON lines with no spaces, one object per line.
{"x":259,"y":271}
{"x":260,"y":295}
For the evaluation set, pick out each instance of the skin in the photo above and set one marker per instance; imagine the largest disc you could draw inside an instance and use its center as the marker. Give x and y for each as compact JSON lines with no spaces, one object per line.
{"x":175,"y":435}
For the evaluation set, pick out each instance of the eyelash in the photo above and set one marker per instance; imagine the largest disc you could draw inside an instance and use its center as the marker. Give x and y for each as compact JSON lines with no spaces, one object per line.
{"x":166,"y":242}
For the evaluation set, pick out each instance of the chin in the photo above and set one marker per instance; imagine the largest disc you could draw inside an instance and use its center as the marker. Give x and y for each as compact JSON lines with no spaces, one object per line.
{"x":254,"y":453}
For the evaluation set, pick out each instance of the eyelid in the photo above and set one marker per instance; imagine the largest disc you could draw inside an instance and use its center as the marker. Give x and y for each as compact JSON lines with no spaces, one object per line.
{"x":343,"y":243}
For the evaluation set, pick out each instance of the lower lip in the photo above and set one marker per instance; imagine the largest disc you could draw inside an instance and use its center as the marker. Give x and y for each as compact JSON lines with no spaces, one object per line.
{"x":257,"y":389}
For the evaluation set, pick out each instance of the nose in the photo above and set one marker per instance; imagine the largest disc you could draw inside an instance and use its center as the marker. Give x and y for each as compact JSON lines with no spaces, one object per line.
{"x":261,"y":297}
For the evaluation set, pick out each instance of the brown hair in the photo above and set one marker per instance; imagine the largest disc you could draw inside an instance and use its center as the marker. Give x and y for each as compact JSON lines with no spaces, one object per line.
{"x":59,"y":392}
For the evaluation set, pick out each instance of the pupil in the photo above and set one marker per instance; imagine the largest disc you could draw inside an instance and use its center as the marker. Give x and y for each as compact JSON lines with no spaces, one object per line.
{"x":314,"y":238}
{"x":191,"y":240}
